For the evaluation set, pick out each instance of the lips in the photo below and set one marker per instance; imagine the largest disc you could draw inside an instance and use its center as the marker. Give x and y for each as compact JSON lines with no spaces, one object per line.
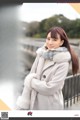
{"x":50,"y":47}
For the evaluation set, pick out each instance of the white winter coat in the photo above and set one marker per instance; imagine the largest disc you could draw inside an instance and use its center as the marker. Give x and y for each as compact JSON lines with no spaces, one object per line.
{"x":46,"y":87}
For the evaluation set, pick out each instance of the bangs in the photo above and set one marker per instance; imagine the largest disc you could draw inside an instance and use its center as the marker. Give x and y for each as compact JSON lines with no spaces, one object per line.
{"x":54,"y":33}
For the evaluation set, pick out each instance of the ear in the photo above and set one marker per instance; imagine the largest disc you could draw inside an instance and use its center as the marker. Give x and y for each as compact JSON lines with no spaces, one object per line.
{"x":62,"y":41}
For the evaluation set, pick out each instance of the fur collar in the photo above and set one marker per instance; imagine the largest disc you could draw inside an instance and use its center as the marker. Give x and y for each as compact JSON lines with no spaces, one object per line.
{"x":61,"y":55}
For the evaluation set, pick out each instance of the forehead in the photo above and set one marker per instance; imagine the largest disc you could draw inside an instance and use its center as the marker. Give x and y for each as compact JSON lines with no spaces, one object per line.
{"x":51,"y":35}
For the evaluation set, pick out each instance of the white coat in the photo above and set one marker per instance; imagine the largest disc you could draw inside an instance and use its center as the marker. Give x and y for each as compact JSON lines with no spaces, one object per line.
{"x":47,"y":88}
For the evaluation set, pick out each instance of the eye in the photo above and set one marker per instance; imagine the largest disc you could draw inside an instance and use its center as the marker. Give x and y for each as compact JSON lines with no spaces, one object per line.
{"x":54,"y":39}
{"x":48,"y":38}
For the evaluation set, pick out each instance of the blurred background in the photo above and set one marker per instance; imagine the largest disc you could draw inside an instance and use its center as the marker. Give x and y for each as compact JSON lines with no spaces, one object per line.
{"x":9,"y":55}
{"x":22,"y":31}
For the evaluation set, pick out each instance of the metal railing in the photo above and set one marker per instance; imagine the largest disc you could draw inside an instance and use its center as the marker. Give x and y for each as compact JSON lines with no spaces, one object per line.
{"x":71,"y":90}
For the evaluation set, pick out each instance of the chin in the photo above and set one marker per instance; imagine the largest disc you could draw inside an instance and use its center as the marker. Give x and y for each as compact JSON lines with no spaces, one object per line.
{"x":51,"y":48}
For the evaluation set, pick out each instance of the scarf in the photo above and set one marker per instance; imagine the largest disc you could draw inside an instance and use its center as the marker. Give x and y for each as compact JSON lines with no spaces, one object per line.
{"x":49,"y":54}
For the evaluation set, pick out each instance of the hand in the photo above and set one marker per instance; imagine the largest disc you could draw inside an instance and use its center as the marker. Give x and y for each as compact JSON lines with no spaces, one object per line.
{"x":28,"y":78}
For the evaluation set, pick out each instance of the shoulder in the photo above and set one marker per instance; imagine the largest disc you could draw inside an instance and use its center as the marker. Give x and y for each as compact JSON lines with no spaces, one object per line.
{"x":62,"y":57}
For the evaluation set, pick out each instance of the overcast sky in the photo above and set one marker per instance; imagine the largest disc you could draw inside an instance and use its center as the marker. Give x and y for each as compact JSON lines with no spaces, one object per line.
{"x":38,"y":11}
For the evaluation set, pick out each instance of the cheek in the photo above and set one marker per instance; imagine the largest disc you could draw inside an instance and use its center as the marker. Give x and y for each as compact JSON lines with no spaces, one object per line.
{"x":47,"y":42}
{"x":58,"y":43}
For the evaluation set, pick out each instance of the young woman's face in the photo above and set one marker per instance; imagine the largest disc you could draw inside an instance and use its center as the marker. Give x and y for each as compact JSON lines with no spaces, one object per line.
{"x":53,"y":43}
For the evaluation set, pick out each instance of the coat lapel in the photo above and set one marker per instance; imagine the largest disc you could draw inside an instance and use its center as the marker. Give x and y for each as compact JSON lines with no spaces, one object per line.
{"x":51,"y":63}
{"x":40,"y":67}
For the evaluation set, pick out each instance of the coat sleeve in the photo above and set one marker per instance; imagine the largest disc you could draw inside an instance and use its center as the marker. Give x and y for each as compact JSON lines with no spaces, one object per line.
{"x":56,"y":83}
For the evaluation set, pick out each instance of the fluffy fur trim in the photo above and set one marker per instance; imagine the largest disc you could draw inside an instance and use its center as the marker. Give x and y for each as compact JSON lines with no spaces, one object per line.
{"x":62,"y":56}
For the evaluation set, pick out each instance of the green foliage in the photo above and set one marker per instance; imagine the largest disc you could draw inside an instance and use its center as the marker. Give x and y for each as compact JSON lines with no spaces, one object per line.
{"x":42,"y":26}
{"x":37,"y":35}
{"x":43,"y":35}
{"x":39,"y":29}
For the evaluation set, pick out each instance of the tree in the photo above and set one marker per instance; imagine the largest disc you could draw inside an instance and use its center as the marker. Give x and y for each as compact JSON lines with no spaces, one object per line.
{"x":33,"y":28}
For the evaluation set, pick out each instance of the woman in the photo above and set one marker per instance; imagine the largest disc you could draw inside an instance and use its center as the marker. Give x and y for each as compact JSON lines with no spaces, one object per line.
{"x":43,"y":86}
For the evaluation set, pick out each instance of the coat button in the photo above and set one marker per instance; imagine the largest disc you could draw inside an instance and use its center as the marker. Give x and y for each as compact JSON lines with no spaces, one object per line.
{"x":44,"y":76}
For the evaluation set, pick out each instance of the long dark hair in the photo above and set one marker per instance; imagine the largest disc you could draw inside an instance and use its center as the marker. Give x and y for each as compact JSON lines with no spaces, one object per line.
{"x":75,"y":61}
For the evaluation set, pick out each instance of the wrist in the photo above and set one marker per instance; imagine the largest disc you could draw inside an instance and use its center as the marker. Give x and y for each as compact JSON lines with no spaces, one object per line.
{"x":33,"y":82}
